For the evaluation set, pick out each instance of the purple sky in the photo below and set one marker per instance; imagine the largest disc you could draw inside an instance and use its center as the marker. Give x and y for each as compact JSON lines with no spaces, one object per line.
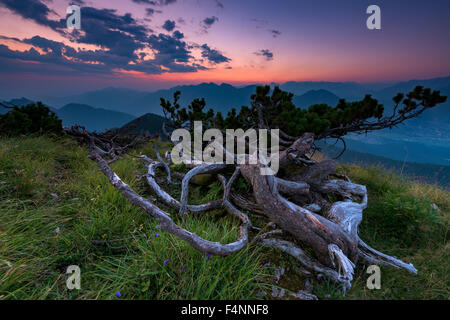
{"x":147,"y":45}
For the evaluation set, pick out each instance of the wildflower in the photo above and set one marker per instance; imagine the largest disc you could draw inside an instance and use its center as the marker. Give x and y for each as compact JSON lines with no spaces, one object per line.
{"x":166,"y":262}
{"x":183,"y":269}
{"x":156,"y":235}
{"x":208,"y":255}
{"x":118,"y":295}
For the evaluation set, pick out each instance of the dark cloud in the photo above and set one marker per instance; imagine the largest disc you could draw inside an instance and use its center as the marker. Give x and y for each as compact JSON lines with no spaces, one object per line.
{"x":178,"y":35}
{"x":212,"y":55}
{"x":78,"y":2}
{"x":169,"y":25}
{"x":149,"y":11}
{"x":123,"y":42}
{"x":34,"y":10}
{"x":121,"y":34}
{"x":148,"y":2}
{"x":266,"y":53}
{"x":155,"y":3}
{"x":172,"y":54}
{"x":167,"y":2}
{"x":208,"y":22}
{"x":275,"y":33}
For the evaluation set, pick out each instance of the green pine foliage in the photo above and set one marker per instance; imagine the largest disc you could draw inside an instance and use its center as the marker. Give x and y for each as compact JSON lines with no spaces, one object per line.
{"x":279,"y":111}
{"x":34,"y":118}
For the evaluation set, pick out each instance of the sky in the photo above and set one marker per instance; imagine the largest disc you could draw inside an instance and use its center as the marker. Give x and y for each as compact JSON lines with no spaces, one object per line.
{"x":154,"y":44}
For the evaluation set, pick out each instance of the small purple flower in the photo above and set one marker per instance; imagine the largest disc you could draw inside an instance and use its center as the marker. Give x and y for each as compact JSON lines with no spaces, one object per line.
{"x":208,"y":255}
{"x":156,"y":235}
{"x":118,"y":295}
{"x":166,"y":262}
{"x":183,"y":269}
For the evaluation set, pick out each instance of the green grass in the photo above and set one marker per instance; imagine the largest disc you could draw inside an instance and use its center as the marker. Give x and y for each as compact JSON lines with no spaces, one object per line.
{"x":40,"y":235}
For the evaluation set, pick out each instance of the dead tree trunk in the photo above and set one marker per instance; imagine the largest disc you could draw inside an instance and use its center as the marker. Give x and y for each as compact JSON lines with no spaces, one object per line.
{"x":297,"y":204}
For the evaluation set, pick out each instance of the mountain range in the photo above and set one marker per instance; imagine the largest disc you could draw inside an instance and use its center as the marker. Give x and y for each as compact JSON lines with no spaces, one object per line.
{"x":94,"y":119}
{"x":115,"y":107}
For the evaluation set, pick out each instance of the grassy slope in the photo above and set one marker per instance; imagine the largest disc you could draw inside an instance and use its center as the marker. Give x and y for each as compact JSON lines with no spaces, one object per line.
{"x":40,"y":235}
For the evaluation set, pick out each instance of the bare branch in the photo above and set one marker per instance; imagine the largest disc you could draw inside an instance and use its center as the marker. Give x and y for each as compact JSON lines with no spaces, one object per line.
{"x":169,"y":200}
{"x":206,"y":168}
{"x":166,"y":167}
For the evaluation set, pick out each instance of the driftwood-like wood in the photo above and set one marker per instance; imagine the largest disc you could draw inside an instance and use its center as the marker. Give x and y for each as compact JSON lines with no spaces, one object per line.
{"x":296,"y":205}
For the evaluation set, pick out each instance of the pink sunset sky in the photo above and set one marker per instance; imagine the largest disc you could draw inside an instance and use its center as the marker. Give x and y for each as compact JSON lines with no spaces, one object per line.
{"x":148,"y":45}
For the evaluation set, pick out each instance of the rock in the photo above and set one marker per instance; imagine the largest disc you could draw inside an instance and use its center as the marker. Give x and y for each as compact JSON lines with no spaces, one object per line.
{"x":303,"y":295}
{"x":75,"y":199}
{"x":54,"y":195}
{"x":313,"y":207}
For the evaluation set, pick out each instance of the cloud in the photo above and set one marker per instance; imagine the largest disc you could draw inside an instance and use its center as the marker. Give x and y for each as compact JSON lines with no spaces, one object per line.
{"x":169,"y":25}
{"x":150,"y":11}
{"x":260,"y":23}
{"x":219,"y":4}
{"x":212,"y":55}
{"x":155,"y":3}
{"x":170,"y":55}
{"x":275,"y":33}
{"x":33,"y":10}
{"x":121,"y":34}
{"x":123,"y":42}
{"x":148,"y":2}
{"x":209,"y":21}
{"x":178,"y":35}
{"x":266,"y":53}
{"x":169,"y":50}
{"x":78,"y":2}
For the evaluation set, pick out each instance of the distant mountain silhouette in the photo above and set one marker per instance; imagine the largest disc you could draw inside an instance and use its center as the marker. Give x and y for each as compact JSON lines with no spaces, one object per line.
{"x":223,"y":97}
{"x":347,"y":90}
{"x":218,"y":97}
{"x":315,"y":97}
{"x":19,"y":102}
{"x":93,"y":119}
{"x":440,"y":113}
{"x":431,"y":128}
{"x":431,"y":173}
{"x":149,"y":123}
{"x":406,"y":86}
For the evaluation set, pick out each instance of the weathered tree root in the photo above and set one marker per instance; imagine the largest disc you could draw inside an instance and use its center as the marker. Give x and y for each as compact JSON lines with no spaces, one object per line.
{"x":330,"y":229}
